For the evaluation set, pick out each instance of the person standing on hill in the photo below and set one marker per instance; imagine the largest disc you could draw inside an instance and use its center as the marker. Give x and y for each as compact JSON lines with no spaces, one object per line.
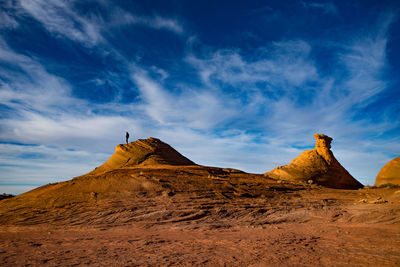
{"x":127,"y":137}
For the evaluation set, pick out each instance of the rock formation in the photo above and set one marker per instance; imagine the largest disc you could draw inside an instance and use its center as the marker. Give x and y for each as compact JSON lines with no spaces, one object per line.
{"x":119,"y":177}
{"x":150,"y":151}
{"x":317,"y":165}
{"x":390,"y":173}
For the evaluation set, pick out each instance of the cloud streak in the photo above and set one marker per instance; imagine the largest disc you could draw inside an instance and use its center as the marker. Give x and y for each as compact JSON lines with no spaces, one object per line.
{"x":123,"y":18}
{"x":62,"y":19}
{"x":59,"y":17}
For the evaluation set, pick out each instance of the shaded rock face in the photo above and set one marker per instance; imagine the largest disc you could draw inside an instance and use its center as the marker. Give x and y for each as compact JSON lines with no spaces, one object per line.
{"x":390,"y":173}
{"x":319,"y":165}
{"x":150,"y":151}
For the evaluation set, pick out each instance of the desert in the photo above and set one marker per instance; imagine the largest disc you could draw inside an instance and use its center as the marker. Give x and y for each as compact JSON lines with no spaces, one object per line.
{"x":148,"y":205}
{"x":199,"y":133}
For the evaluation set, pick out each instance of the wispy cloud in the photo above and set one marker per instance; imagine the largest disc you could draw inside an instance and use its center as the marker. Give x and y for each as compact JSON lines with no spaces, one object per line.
{"x":325,"y":7}
{"x":60,"y":18}
{"x":121,"y":17}
{"x":7,"y":21}
{"x":282,"y":65}
{"x":26,"y":84}
{"x":198,"y":109}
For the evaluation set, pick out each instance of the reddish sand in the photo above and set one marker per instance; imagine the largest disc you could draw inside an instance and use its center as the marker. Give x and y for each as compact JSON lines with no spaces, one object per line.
{"x":284,"y":244}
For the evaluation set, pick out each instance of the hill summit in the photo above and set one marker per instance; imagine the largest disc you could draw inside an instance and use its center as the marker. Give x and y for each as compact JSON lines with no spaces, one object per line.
{"x":318,"y":165}
{"x":143,"y":152}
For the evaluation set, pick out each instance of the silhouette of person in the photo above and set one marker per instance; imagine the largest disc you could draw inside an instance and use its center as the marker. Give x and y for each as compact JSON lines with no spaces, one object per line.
{"x":127,"y":137}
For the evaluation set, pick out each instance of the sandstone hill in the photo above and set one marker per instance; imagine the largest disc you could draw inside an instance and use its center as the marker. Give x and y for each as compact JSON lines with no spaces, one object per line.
{"x":390,"y":173}
{"x":150,"y":151}
{"x":318,"y":165}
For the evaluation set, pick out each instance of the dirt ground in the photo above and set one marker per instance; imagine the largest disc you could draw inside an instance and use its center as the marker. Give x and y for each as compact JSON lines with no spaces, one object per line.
{"x":199,"y":217}
{"x":191,"y":243}
{"x":286,"y":244}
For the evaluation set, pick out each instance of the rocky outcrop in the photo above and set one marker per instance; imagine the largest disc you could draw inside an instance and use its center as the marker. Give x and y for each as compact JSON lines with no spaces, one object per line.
{"x":317,"y":165}
{"x":150,"y":151}
{"x":390,"y":173}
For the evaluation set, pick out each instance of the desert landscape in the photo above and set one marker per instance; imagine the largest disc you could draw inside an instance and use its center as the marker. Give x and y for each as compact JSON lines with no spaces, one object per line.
{"x":148,"y":205}
{"x":199,"y":133}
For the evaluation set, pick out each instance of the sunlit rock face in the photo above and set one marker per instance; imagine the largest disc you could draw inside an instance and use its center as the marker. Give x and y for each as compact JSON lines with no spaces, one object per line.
{"x":317,"y":165}
{"x":150,"y":151}
{"x":390,"y":173}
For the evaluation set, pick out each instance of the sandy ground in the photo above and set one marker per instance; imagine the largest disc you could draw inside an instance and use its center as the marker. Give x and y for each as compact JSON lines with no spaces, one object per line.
{"x":286,"y":244}
{"x":199,"y":217}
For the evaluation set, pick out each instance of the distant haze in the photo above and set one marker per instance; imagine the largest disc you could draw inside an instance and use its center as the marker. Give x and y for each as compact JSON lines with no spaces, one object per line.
{"x":230,"y":84}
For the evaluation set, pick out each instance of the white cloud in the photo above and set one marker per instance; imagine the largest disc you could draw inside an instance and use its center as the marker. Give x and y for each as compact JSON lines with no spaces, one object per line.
{"x":325,"y":7}
{"x":284,"y":64}
{"x":198,"y":109}
{"x":7,"y":21}
{"x":121,"y":17}
{"x":165,"y":23}
{"x":27,"y":85}
{"x":59,"y":17}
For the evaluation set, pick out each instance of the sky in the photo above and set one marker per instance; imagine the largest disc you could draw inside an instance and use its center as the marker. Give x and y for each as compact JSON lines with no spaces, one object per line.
{"x":241,"y":84}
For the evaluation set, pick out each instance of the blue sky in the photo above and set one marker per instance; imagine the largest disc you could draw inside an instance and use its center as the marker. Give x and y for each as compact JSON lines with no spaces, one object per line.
{"x":242,"y":84}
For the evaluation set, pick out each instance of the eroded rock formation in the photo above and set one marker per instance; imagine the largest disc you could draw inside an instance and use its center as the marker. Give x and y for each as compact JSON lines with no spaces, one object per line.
{"x":390,"y":173}
{"x":318,"y":165}
{"x":150,"y":151}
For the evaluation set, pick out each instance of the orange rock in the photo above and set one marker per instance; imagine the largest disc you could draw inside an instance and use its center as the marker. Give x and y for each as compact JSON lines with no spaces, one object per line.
{"x":319,"y":165}
{"x":150,"y":151}
{"x":390,"y":173}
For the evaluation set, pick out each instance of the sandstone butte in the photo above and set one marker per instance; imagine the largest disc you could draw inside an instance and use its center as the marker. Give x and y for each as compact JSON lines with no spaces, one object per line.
{"x":318,"y":165}
{"x":390,"y":173}
{"x":143,"y":152}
